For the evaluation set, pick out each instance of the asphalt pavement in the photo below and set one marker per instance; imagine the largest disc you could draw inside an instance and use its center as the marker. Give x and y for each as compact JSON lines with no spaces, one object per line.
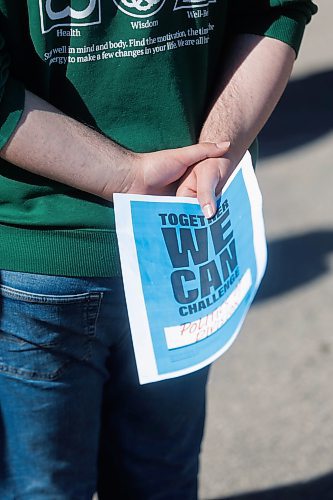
{"x":269,"y":431}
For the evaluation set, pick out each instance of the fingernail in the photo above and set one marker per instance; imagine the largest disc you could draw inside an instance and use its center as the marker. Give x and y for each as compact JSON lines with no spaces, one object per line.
{"x":223,"y":145}
{"x":207,"y":211}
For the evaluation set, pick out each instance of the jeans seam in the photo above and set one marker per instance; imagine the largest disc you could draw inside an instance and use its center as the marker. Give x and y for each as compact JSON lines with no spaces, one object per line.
{"x":95,"y":298}
{"x":30,"y":374}
{"x":14,"y":293}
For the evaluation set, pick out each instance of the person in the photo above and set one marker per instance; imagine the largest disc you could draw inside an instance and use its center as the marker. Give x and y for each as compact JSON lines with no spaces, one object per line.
{"x":98,"y":97}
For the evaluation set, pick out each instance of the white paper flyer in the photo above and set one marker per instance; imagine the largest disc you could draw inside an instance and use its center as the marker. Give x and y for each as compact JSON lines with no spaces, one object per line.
{"x":189,"y":281}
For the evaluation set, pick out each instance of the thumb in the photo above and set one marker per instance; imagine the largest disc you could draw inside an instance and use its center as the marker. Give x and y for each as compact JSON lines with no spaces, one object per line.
{"x":208,"y":177}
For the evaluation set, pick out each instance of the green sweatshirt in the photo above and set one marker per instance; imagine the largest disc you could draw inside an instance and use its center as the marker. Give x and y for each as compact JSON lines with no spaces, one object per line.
{"x":139,"y":71}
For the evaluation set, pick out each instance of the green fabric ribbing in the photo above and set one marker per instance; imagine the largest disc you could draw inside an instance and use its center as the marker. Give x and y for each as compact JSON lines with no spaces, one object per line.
{"x":60,"y":253}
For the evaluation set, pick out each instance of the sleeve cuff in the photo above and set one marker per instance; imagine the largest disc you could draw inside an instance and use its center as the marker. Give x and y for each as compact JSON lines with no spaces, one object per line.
{"x":289,"y":30}
{"x":11,"y":109}
{"x":283,"y":22}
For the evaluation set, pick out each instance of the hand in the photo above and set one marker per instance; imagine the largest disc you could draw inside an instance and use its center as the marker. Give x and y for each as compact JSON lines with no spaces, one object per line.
{"x":205,"y":181}
{"x":158,"y":172}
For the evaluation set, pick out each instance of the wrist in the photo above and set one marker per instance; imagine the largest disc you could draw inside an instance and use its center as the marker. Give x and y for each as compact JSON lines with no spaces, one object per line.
{"x":120,"y":169}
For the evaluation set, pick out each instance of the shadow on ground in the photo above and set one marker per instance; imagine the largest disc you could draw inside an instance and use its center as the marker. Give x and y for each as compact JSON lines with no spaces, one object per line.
{"x":304,"y":114}
{"x":294,"y":261}
{"x":317,"y":489}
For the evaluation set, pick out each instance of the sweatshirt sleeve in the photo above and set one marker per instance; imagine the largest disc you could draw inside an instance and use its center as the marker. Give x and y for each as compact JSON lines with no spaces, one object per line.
{"x":284,"y":20}
{"x":12,"y":95}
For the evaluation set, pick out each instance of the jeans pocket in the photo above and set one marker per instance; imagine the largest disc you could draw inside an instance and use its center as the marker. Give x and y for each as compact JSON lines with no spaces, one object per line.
{"x":41,"y":335}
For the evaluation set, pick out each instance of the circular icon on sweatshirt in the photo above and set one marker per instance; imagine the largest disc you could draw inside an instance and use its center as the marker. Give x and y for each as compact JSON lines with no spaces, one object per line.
{"x":139,"y":8}
{"x":69,"y":13}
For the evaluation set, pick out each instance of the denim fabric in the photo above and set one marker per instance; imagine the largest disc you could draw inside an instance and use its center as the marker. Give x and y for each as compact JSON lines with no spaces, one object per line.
{"x":73,"y":417}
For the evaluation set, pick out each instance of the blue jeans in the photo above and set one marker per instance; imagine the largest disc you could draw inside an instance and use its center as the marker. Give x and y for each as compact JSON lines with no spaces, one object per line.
{"x":73,"y":417}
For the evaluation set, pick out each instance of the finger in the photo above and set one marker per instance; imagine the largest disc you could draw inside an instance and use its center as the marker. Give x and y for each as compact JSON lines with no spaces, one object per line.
{"x":208,"y":177}
{"x":186,"y":191}
{"x":188,"y":184}
{"x":189,"y":155}
{"x":226,"y":167}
